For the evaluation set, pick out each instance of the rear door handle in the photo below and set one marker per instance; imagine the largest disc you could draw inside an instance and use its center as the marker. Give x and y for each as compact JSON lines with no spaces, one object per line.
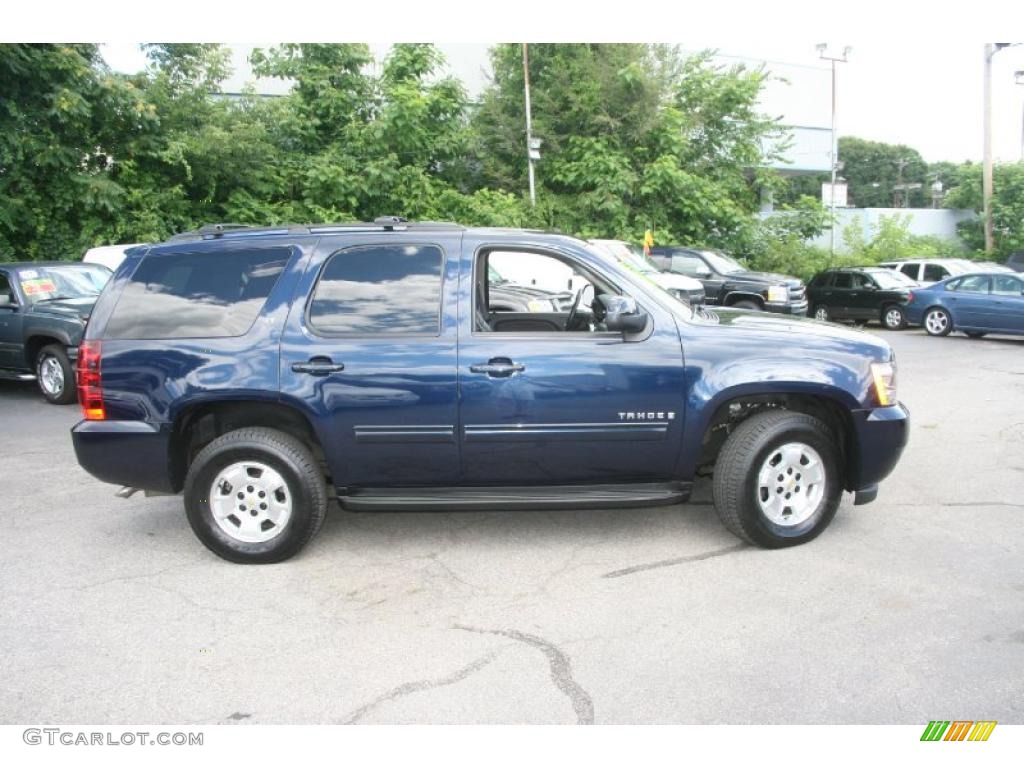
{"x":318,"y":366}
{"x":498,"y":367}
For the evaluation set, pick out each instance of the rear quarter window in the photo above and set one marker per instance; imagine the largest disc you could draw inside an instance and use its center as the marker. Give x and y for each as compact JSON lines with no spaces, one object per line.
{"x":205,"y":294}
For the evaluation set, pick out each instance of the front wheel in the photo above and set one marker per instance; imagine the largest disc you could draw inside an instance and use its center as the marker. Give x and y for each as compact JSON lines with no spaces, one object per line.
{"x":255,"y":495}
{"x":894,"y":319}
{"x":937,"y":322}
{"x":55,"y":376}
{"x":777,"y":481}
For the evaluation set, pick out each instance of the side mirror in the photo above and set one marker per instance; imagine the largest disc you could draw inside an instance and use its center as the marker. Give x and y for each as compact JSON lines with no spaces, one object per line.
{"x":622,"y":314}
{"x":703,"y":271}
{"x":7,"y":301}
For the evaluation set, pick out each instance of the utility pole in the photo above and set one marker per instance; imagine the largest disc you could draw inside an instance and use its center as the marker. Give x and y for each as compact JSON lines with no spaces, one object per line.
{"x":1018,"y":78}
{"x":822,"y":51}
{"x":531,"y":151}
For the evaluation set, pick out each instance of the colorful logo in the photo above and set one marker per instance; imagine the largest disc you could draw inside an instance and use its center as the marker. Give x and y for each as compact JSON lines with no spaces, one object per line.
{"x":958,"y":730}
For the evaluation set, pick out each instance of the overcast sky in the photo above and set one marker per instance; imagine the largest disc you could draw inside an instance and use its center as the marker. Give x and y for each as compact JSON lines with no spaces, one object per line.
{"x":923,"y":94}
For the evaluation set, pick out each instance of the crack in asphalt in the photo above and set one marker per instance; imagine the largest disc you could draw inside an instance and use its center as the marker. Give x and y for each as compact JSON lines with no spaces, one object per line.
{"x":673,"y":561}
{"x":419,"y":685}
{"x":561,"y":669}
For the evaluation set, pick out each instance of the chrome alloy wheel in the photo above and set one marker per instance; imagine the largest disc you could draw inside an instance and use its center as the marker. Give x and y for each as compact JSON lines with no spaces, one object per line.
{"x":250,"y":502}
{"x":893,"y":317}
{"x":791,"y":484}
{"x":936,"y":321}
{"x":821,"y":313}
{"x":51,"y":376}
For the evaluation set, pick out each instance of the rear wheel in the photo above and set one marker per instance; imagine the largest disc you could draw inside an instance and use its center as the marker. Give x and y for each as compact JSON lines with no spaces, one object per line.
{"x":55,"y":376}
{"x":777,"y":481}
{"x":937,"y":322}
{"x":255,"y":495}
{"x":893,"y":318}
{"x":821,"y":313}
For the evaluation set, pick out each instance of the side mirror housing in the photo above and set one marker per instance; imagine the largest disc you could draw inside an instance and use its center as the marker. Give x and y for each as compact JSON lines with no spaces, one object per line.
{"x":703,"y":272}
{"x":623,"y":315}
{"x":7,"y":301}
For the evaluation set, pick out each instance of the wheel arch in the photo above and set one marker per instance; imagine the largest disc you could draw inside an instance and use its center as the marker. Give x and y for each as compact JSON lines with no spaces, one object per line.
{"x":734,"y":296}
{"x":36,"y":340}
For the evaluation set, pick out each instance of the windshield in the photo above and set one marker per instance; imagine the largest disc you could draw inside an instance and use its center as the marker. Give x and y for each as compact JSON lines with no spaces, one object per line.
{"x":47,"y":283}
{"x":886,"y":278}
{"x":724,"y":265}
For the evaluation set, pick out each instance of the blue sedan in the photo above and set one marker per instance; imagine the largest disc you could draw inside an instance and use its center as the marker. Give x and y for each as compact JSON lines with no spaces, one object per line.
{"x":975,"y":304}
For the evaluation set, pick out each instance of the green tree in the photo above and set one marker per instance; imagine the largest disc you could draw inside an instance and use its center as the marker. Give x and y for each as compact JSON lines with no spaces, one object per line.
{"x":1007,"y":207}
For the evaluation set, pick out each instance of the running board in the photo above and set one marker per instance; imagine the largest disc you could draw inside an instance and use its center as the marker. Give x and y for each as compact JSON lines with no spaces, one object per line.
{"x":17,"y":376}
{"x":514,"y":498}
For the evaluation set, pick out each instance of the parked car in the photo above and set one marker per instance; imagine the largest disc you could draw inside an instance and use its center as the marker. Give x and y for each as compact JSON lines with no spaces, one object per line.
{"x":976,"y":304}
{"x":43,"y":309}
{"x":728,"y":283}
{"x":251,"y":369}
{"x":1016,"y":261}
{"x":506,"y":296}
{"x":928,"y":271}
{"x":632,"y":257}
{"x":109,"y":256}
{"x":861,"y":294}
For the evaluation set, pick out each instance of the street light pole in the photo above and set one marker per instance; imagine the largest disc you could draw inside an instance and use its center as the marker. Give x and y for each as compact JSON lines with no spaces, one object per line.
{"x":822,"y":50}
{"x":529,"y":126}
{"x":1018,"y":78}
{"x":991,"y":49}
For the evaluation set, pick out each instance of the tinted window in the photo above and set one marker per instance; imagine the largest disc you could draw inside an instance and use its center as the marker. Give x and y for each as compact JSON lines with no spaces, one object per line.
{"x":859,"y":279}
{"x":910,"y":270}
{"x":1003,"y":285}
{"x":843,"y":280}
{"x":688,"y":265}
{"x":972,"y":284}
{"x":197,"y":295}
{"x":5,"y":287}
{"x":934,"y":273}
{"x":821,"y":280}
{"x":379,"y":289}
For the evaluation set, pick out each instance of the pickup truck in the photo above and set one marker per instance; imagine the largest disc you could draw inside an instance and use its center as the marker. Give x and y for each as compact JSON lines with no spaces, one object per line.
{"x":261,"y":372}
{"x":43,"y":309}
{"x":728,"y":283}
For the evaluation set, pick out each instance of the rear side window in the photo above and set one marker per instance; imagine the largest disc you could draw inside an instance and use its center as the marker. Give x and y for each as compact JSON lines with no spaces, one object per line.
{"x":821,"y":280}
{"x":972,"y":284}
{"x":910,"y":270}
{"x":377,"y":289}
{"x":197,"y":295}
{"x":934,"y":272}
{"x":843,"y":280}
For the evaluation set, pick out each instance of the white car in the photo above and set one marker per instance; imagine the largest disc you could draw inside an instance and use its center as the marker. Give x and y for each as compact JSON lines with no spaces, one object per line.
{"x":110,"y":256}
{"x":928,"y":271}
{"x":630,"y":256}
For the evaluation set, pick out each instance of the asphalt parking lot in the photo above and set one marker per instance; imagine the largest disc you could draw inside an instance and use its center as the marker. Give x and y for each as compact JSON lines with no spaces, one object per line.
{"x":907,"y":610}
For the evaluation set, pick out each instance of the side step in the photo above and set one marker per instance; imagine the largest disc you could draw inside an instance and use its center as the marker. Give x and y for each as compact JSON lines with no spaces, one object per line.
{"x":513,"y":498}
{"x":16,"y":376}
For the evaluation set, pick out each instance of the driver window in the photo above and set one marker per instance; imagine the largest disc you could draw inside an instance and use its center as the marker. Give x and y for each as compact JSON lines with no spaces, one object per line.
{"x":5,"y":288}
{"x":528,"y":292}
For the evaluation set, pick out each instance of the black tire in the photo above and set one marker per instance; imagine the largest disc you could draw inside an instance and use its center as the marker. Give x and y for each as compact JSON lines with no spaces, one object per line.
{"x":746,"y":450}
{"x":284,"y":454}
{"x":893,"y":318}
{"x":745,"y":304}
{"x":941,"y":329}
{"x":64,"y":391}
{"x":976,"y":334}
{"x":822,"y":310}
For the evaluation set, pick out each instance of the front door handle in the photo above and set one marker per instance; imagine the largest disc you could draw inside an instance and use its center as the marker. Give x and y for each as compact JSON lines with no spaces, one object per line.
{"x":318,"y":366}
{"x":498,"y":367}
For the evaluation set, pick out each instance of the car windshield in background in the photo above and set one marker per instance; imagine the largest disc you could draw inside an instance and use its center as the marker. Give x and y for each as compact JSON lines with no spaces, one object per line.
{"x":724,"y":265}
{"x":49,"y":283}
{"x":886,"y":278}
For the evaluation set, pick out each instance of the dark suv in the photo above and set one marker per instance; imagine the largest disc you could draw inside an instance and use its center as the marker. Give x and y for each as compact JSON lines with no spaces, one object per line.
{"x":261,"y":372}
{"x":861,"y":294}
{"x":729,"y":284}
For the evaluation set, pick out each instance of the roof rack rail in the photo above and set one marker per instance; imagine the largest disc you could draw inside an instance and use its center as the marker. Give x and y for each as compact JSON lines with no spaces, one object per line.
{"x":219,"y":229}
{"x":390,"y":222}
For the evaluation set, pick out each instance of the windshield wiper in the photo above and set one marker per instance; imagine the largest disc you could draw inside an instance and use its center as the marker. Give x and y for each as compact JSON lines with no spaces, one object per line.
{"x":62,"y":298}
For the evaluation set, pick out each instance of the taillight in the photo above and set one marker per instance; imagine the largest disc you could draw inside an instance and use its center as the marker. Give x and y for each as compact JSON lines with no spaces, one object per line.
{"x":90,"y":381}
{"x":910,"y":297}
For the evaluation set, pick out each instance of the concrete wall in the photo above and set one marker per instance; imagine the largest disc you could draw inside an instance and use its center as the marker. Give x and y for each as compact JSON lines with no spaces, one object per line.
{"x":939,"y":222}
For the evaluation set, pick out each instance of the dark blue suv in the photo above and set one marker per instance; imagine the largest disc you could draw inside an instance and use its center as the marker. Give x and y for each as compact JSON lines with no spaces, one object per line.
{"x":261,"y":372}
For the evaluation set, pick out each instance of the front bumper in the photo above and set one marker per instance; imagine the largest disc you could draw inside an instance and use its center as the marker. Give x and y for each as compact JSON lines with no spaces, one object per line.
{"x":789,"y":308}
{"x":133,"y":453}
{"x":880,"y":435}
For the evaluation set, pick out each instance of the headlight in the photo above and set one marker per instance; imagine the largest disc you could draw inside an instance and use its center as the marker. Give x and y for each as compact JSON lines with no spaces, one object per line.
{"x":778,"y":294}
{"x":884,"y":377}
